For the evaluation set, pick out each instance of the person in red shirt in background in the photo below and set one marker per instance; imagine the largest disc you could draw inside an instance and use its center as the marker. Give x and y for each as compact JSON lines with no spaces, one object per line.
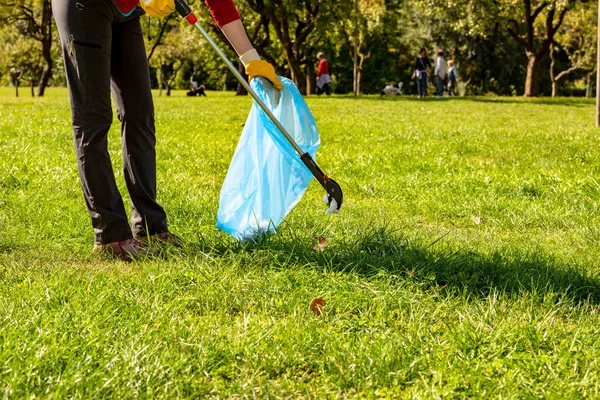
{"x":103,"y":52}
{"x":323,"y":78}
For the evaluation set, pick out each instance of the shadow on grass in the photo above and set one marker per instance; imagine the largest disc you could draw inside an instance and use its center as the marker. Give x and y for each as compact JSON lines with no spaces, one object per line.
{"x":381,"y":249}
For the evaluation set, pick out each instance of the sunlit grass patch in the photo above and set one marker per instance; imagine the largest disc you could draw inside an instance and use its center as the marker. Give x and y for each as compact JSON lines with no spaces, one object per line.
{"x":464,"y":262}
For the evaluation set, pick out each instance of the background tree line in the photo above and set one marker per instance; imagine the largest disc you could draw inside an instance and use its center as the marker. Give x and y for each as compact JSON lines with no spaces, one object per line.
{"x":505,"y":47}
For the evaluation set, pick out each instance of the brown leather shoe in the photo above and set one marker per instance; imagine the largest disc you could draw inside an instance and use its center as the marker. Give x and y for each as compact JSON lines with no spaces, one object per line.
{"x":161,"y":239}
{"x":126,"y":250}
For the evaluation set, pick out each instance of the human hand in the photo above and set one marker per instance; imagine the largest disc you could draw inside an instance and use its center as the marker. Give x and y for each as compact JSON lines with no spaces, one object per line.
{"x":158,"y":8}
{"x":262,"y":68}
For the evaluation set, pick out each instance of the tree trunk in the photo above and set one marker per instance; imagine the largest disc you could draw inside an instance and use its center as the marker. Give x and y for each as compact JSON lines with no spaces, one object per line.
{"x":298,"y":76}
{"x":32,"y":84}
{"x":163,"y":26}
{"x":311,"y":81}
{"x":293,"y":38}
{"x":361,"y":61}
{"x":47,"y":72}
{"x":355,"y":79}
{"x":168,"y":89}
{"x":535,"y":55}
{"x":241,"y":90}
{"x":46,"y":46}
{"x":292,"y":29}
{"x":16,"y":83}
{"x":588,"y":89}
{"x":552,"y":77}
{"x":533,"y":73}
{"x":160,"y":78}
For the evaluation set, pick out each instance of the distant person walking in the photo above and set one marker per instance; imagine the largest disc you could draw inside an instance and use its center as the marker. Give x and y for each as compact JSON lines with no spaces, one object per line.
{"x":441,"y":72}
{"x":452,"y":77}
{"x":323,"y":78}
{"x":422,"y":68}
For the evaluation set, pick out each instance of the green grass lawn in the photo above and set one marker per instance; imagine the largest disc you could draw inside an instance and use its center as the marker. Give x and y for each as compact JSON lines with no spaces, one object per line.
{"x":465,"y":262}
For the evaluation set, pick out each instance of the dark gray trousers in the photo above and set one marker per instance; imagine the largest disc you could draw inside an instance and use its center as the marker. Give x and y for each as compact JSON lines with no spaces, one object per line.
{"x":104,"y":51}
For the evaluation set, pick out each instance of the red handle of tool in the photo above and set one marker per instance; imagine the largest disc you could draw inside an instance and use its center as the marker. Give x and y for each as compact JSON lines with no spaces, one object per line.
{"x":185,"y":11}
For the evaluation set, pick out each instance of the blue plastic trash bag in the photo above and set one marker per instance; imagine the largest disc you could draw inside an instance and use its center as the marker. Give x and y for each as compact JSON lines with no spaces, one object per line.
{"x":266,"y":178}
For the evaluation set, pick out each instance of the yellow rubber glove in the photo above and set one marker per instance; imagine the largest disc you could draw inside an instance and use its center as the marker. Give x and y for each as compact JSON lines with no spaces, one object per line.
{"x":262,"y":68}
{"x":158,"y":8}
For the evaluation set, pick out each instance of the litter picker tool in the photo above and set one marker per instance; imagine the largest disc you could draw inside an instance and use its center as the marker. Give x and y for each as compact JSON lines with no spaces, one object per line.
{"x":334,"y":192}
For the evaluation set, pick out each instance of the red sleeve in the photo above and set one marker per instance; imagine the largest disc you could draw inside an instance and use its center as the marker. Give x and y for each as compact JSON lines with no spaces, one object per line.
{"x":223,"y":11}
{"x":320,"y":69}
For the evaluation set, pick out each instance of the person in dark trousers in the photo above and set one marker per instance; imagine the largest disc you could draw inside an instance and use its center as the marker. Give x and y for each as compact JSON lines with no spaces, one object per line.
{"x":452,"y":78}
{"x":441,"y":72}
{"x":103,"y":52}
{"x":422,"y":68}
{"x":323,"y":77}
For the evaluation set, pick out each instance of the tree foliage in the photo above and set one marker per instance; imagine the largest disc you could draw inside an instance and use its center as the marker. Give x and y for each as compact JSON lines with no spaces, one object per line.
{"x":532,"y":24}
{"x":33,"y":19}
{"x":22,"y":59}
{"x":500,"y":46}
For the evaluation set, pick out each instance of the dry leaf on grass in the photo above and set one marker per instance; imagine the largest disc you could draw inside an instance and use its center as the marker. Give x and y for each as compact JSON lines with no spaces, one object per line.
{"x":317,"y":305}
{"x":476,"y":219}
{"x":321,"y":245}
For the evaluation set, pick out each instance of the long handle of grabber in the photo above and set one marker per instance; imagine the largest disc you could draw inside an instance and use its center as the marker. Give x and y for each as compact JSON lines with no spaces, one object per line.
{"x":330,"y":186}
{"x":245,"y":84}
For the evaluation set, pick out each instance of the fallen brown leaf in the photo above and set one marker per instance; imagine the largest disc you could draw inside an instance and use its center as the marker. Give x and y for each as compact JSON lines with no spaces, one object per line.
{"x":476,"y":219}
{"x":317,"y":306}
{"x":321,"y":245}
